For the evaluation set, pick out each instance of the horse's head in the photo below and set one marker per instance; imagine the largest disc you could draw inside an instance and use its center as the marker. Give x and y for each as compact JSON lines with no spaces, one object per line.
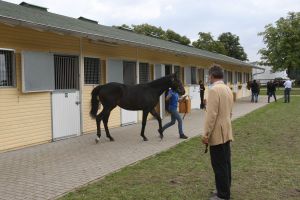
{"x":176,"y":84}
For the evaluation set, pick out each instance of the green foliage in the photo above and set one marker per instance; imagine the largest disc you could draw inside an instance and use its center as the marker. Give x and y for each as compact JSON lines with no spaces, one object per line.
{"x":207,"y":42}
{"x":232,"y":46}
{"x":149,"y":30}
{"x":282,"y":41}
{"x":227,"y":44}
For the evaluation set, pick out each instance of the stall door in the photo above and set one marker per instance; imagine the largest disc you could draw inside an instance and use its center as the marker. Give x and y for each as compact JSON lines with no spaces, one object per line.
{"x":129,"y":77}
{"x":159,"y":72}
{"x":65,"y":98}
{"x":195,"y":96}
{"x":121,"y":72}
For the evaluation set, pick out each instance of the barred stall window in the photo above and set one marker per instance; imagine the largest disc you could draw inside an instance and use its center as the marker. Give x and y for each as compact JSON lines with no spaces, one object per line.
{"x":240,"y":77}
{"x":248,"y":77}
{"x":168,"y":69}
{"x":7,"y":68}
{"x":193,"y":75}
{"x":201,"y":75}
{"x":144,"y":72}
{"x":225,"y":76}
{"x":235,"y":77}
{"x":92,"y":72}
{"x":66,"y":72}
{"x":229,"y":77}
{"x":178,"y":72}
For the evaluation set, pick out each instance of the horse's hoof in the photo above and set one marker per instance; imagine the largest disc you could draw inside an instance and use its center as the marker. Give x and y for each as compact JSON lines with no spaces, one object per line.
{"x":145,"y":139}
{"x":111,"y":139}
{"x":161,"y":136}
{"x":97,"y":140}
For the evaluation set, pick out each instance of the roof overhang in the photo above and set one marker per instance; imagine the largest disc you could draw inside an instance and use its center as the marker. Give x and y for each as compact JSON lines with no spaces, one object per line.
{"x":44,"y":27}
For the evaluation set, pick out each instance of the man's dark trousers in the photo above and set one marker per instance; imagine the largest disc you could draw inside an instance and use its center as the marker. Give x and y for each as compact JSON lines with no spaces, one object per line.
{"x":287,"y":92}
{"x":221,"y":162}
{"x":202,"y":106}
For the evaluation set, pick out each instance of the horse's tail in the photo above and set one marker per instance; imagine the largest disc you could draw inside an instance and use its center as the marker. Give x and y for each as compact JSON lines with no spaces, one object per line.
{"x":95,"y":101}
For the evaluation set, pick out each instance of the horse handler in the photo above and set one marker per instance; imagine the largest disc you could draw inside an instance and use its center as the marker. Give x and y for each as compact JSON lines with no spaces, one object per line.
{"x":173,"y":98}
{"x":218,"y":132}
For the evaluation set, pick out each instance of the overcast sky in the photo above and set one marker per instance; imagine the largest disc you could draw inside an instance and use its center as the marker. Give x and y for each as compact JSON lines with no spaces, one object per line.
{"x":244,"y":18}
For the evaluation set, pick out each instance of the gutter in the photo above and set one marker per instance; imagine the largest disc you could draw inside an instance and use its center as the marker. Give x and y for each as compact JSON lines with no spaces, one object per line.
{"x":111,"y":39}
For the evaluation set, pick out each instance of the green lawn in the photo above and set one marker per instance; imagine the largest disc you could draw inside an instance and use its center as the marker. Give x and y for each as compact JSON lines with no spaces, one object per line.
{"x":265,"y":159}
{"x":295,"y":91}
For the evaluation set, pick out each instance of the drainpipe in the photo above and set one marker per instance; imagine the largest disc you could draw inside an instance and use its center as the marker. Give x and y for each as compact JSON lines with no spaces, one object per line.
{"x":81,"y":81}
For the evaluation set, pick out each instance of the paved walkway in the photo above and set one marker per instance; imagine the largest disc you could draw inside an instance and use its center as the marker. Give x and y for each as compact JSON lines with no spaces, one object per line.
{"x":50,"y":170}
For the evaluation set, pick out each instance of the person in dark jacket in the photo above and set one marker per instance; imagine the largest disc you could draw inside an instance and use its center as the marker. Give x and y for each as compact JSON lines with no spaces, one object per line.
{"x":202,"y":90}
{"x":255,"y":91}
{"x":271,"y":89}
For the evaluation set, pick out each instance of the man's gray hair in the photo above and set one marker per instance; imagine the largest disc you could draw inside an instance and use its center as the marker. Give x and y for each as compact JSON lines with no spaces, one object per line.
{"x":216,"y":72}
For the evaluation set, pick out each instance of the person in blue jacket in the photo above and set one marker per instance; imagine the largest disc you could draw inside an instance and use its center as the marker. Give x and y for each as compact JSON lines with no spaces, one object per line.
{"x":173,"y":99}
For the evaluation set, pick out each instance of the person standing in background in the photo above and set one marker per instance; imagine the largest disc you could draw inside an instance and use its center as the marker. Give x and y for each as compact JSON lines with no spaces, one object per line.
{"x":287,"y":90}
{"x":271,"y":89}
{"x":255,"y":91}
{"x":202,"y":90}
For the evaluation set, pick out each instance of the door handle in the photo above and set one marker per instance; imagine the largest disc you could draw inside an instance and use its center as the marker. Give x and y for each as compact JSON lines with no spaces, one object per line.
{"x":77,"y":103}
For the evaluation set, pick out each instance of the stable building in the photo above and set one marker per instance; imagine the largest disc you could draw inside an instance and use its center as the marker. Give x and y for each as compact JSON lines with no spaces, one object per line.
{"x":50,"y":63}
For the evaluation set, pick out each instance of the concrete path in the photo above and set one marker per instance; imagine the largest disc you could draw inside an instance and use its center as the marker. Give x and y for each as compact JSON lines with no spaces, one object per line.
{"x":50,"y":170}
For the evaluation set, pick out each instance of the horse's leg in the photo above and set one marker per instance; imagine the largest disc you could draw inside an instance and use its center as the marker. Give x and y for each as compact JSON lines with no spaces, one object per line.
{"x":156,"y":115}
{"x":145,"y":114}
{"x":98,"y":122}
{"x":105,"y":122}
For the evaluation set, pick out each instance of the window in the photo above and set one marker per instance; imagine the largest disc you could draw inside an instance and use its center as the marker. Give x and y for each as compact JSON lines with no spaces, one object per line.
{"x":7,"y":68}
{"x":229,"y":76}
{"x":92,"y":72}
{"x":129,"y":72}
{"x":239,"y":77}
{"x":178,"y":72}
{"x":235,"y":77}
{"x":144,"y":72}
{"x":225,"y":76}
{"x":66,"y":72}
{"x":201,"y":75}
{"x":247,"y":77}
{"x":168,"y":69}
{"x":193,"y":75}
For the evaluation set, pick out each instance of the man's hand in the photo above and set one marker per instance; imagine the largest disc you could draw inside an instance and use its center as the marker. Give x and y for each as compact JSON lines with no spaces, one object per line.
{"x":204,"y":140}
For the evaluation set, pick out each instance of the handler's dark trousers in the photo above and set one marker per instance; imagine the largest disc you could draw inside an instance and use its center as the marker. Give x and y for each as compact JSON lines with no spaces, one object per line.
{"x":270,"y":95}
{"x":221,"y":162}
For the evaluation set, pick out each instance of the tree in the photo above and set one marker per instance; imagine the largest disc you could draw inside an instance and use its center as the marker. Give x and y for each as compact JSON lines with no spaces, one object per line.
{"x":282,"y":40}
{"x":150,"y":30}
{"x":232,"y":46}
{"x":207,"y":42}
{"x":173,"y":36}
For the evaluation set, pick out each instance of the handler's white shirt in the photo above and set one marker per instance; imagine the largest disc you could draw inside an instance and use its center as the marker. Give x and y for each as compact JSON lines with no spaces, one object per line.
{"x":288,"y":84}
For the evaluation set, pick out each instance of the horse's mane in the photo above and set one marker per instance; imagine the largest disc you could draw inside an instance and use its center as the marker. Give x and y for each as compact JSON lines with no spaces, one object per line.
{"x":160,"y":81}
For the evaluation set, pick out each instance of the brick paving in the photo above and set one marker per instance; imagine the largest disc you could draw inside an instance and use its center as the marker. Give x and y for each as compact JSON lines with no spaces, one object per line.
{"x":50,"y":170}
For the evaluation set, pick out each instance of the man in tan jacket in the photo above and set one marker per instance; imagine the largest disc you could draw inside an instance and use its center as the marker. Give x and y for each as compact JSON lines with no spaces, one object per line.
{"x":218,"y":131}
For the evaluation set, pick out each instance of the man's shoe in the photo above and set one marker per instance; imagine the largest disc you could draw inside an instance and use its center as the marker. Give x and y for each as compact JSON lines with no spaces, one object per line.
{"x":183,"y":137}
{"x":215,"y":198}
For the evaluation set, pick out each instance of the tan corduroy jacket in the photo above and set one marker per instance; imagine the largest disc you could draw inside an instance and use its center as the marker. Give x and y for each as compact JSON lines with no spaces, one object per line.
{"x":217,"y":126}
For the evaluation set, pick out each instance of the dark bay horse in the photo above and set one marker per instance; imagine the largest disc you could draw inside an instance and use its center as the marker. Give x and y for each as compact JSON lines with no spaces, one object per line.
{"x":131,"y":97}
